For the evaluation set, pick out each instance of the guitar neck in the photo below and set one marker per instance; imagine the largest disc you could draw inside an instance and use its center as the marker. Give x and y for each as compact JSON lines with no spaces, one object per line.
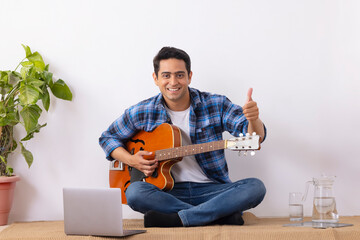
{"x":189,"y":150}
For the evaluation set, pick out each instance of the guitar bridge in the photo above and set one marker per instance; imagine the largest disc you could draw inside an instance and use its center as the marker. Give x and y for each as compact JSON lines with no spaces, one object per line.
{"x":116,"y":165}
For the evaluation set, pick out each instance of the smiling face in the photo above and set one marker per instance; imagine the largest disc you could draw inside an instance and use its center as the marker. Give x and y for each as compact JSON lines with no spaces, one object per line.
{"x":173,"y":81}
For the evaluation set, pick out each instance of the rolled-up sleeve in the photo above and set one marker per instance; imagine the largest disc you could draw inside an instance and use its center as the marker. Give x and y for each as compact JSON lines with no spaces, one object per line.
{"x":234,"y":120}
{"x":117,"y":134}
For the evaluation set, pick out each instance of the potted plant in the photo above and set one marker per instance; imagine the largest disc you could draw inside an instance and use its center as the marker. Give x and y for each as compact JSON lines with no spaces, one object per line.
{"x":20,"y":91}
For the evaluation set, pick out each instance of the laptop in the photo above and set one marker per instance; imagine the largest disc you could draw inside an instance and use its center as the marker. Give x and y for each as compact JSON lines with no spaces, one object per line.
{"x":94,"y":211}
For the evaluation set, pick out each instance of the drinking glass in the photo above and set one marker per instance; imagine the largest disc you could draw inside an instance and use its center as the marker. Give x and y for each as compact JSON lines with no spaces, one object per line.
{"x":296,"y":206}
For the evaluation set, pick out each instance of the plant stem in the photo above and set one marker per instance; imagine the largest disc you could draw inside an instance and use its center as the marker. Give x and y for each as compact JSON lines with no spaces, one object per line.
{"x":19,"y":64}
{"x":13,"y":91}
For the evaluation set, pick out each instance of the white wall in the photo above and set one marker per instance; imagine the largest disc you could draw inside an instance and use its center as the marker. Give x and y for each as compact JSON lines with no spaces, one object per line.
{"x":301,"y":57}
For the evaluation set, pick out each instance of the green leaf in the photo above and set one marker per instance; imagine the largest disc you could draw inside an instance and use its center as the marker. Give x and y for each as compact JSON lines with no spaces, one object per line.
{"x":30,"y":115}
{"x":9,"y":119}
{"x":45,"y":98}
{"x":28,"y":95}
{"x":38,"y":61}
{"x":47,"y":77}
{"x":47,"y":67}
{"x":4,"y":76}
{"x":27,"y":50}
{"x":36,"y":83}
{"x":14,"y":146}
{"x":11,"y":104}
{"x":27,"y":63}
{"x":8,"y":115}
{"x":3,"y":159}
{"x":16,"y":74}
{"x":30,"y":135}
{"x":61,"y":90}
{"x":2,"y":108}
{"x":13,"y":118}
{"x":3,"y":121}
{"x":25,"y":71}
{"x":14,"y":77}
{"x":35,"y":57}
{"x":9,"y":170}
{"x":27,"y":155}
{"x":5,"y":87}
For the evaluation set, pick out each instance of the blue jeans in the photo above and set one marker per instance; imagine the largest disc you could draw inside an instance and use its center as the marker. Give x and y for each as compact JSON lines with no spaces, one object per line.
{"x":197,"y":204}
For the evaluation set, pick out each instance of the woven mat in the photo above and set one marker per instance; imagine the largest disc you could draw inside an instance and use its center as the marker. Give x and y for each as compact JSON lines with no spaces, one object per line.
{"x":254,"y":228}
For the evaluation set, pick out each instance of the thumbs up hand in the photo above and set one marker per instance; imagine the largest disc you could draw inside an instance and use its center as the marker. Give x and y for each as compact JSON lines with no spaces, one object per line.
{"x":251,"y":112}
{"x":250,"y":109}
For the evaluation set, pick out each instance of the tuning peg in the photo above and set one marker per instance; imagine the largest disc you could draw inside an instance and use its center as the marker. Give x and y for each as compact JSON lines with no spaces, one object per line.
{"x":252,"y":153}
{"x":248,"y":134}
{"x":254,"y":133}
{"x":245,"y":153}
{"x":241,"y":135}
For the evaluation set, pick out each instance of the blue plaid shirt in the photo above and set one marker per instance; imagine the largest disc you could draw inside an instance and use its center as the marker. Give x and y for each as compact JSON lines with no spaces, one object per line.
{"x":210,"y":116}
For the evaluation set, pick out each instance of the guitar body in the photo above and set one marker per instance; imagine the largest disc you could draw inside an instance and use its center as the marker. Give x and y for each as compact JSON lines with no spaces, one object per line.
{"x":163,"y":137}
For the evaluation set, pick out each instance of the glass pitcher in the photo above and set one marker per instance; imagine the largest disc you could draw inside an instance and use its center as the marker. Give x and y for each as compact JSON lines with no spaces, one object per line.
{"x":324,"y":206}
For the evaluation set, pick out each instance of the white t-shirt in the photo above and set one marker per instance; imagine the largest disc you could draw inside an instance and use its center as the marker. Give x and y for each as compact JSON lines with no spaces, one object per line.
{"x":188,"y":169}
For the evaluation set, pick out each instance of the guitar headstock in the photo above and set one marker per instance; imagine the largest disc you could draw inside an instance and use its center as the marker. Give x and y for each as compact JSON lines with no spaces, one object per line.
{"x":244,"y":143}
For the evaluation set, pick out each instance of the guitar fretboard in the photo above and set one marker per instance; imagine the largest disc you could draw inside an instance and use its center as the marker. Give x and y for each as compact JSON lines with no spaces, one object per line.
{"x":189,"y":150}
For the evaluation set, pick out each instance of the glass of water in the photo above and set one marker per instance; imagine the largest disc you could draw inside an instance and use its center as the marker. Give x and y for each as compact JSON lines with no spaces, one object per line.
{"x":296,"y":212}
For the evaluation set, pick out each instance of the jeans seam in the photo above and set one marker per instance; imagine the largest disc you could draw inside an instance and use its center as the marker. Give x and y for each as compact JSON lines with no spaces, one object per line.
{"x":183,"y":218}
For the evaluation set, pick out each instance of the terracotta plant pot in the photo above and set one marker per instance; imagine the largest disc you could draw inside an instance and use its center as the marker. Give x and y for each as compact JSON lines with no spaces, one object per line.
{"x":7,"y":186}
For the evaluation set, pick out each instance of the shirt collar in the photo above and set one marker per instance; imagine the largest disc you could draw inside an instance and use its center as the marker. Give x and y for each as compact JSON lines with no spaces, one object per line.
{"x":195,"y":97}
{"x":160,"y":102}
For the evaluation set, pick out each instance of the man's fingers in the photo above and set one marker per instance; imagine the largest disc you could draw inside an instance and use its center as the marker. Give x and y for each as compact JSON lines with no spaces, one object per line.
{"x":144,"y":153}
{"x":251,"y":111}
{"x":150,"y":163}
{"x":251,"y":116}
{"x":149,"y":169}
{"x":148,"y":173}
{"x":250,"y":105}
{"x":249,"y":95}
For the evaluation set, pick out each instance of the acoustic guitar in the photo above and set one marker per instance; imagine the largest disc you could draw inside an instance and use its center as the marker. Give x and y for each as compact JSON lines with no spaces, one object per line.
{"x":165,"y":144}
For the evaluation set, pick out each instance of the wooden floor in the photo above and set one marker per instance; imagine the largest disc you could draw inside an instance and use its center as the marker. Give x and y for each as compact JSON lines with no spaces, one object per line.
{"x":254,"y":229}
{"x":3,"y":227}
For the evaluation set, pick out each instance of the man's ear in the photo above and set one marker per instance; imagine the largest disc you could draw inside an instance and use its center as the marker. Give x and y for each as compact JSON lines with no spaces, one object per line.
{"x":190,"y":76}
{"x":155,"y":79}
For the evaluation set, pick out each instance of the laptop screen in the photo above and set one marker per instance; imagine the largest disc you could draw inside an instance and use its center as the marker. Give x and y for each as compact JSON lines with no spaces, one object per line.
{"x":93,"y":211}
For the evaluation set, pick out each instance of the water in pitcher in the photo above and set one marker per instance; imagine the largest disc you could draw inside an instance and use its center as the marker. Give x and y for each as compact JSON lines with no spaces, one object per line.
{"x":324,"y":210}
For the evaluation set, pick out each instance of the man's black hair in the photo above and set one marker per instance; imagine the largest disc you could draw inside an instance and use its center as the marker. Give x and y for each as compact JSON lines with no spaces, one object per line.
{"x":171,"y":52}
